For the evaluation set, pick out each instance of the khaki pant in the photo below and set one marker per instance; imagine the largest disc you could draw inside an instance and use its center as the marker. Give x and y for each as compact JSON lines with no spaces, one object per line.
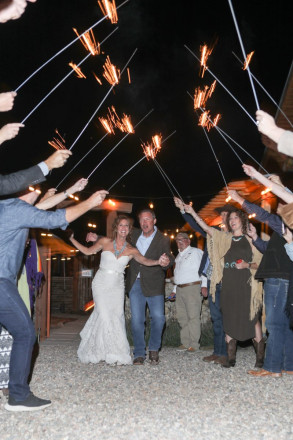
{"x":188,"y":310}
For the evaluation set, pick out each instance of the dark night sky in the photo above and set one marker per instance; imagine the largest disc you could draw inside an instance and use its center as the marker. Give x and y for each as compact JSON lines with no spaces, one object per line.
{"x":161,"y":71}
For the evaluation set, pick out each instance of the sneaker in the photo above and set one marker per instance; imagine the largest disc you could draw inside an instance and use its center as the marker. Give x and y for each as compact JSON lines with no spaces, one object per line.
{"x":31,"y":403}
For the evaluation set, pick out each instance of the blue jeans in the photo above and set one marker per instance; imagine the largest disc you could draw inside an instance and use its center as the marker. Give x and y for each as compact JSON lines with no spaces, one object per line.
{"x":15,"y":317}
{"x":217,"y":320}
{"x":156,"y":306}
{"x":279,"y":348}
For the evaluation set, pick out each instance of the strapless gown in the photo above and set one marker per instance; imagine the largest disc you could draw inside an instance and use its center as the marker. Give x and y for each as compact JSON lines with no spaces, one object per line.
{"x":103,"y":338}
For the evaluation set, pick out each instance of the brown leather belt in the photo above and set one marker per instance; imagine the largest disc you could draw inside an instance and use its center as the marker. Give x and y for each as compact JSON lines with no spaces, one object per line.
{"x":189,"y":284}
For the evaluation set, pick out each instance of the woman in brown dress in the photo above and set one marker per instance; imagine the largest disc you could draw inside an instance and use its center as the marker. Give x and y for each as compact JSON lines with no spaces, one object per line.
{"x":235,"y":260}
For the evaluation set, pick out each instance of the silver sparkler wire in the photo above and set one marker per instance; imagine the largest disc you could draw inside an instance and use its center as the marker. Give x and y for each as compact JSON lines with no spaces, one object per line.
{"x":243,"y":53}
{"x":101,"y":103}
{"x":140,"y":160}
{"x":115,"y":146}
{"x":166,"y":177}
{"x":65,"y":77}
{"x":224,"y":87}
{"x":223,"y":134}
{"x":64,"y":48}
{"x":266,"y":92}
{"x":83,"y":157}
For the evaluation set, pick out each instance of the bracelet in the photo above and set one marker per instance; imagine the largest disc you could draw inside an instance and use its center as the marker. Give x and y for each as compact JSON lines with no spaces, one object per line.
{"x":66,"y":194}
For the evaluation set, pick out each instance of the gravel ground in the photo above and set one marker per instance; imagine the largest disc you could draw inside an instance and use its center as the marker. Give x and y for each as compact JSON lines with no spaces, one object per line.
{"x":181,"y":398}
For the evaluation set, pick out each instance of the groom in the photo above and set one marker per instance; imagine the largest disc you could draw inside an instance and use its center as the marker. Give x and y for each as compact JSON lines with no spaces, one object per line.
{"x":146,"y":286}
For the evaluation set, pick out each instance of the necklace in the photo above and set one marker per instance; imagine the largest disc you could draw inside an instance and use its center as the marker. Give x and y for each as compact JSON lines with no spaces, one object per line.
{"x":237,"y":238}
{"x":116,"y":251}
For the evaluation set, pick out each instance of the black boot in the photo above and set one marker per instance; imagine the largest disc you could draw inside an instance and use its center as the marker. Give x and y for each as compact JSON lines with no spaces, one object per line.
{"x":259,"y":348}
{"x":231,"y":350}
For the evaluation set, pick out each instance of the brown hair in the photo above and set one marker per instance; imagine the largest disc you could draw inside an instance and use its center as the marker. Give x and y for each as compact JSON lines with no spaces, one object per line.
{"x":116,"y":222}
{"x":243,"y":218}
{"x":147,"y":210}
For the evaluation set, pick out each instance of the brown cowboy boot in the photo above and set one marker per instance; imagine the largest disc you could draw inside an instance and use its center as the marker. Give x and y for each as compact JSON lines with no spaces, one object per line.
{"x":231,"y":350}
{"x":259,"y":348}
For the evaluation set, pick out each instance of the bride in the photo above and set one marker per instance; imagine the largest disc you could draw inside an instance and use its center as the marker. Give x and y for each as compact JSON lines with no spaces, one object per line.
{"x":103,"y":338}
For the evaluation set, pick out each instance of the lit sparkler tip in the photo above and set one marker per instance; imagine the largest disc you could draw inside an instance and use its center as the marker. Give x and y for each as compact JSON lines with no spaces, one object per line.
{"x":58,"y":142}
{"x":88,"y":41}
{"x":111,"y":73}
{"x":109,"y":8}
{"x":247,"y":61}
{"x":97,"y":78}
{"x":107,"y":124}
{"x":77,"y":70}
{"x":128,"y":73}
{"x":151,"y":149}
{"x":205,"y":53}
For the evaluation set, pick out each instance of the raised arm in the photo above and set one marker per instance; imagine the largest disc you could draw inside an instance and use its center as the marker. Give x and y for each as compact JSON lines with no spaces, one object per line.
{"x":98,"y":246}
{"x":275,"y":188}
{"x":208,"y":229}
{"x":188,"y":218}
{"x":162,"y":261}
{"x":49,"y":202}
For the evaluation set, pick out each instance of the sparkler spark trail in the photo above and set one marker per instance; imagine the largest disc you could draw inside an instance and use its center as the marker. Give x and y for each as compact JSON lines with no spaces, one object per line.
{"x":115,"y":146}
{"x":108,"y":126}
{"x":101,"y":103}
{"x":206,"y":121}
{"x":108,"y":8}
{"x":97,"y":78}
{"x":128,"y":73}
{"x":62,"y":80}
{"x":247,"y":61}
{"x":62,"y":50}
{"x":217,"y":79}
{"x":151,"y":149}
{"x":205,"y":53}
{"x":58,"y":142}
{"x":112,"y":120}
{"x":140,"y":160}
{"x":89,"y":42}
{"x":267,"y":93}
{"x":243,"y":53}
{"x":77,"y":70}
{"x":111,"y":73}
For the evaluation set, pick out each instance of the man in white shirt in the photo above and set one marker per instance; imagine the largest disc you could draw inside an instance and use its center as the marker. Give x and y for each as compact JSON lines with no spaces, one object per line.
{"x":188,"y":292}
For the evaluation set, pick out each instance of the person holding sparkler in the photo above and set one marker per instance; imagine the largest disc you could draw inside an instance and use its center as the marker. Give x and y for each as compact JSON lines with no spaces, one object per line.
{"x":16,"y":216}
{"x":283,"y":138}
{"x":104,"y":336}
{"x":234,"y":260}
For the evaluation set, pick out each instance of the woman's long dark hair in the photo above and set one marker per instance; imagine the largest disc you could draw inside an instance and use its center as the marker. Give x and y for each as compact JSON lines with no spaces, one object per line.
{"x":116,"y":222}
{"x":243,"y":218}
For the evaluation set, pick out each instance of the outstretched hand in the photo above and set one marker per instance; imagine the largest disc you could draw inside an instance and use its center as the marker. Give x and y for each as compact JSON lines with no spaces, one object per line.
{"x":7,"y":101}
{"x":78,"y":186}
{"x":9,"y":131}
{"x":91,"y":236}
{"x":179,"y":203}
{"x":249,"y":170}
{"x":251,"y":231}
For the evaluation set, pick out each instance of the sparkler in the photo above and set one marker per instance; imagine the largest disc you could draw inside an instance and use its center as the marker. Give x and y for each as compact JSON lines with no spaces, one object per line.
{"x":109,"y":10}
{"x":247,"y":61}
{"x":101,"y":103}
{"x":58,"y":142}
{"x":89,"y":42}
{"x":128,"y":73}
{"x":267,"y":93}
{"x":206,"y":121}
{"x":62,"y":50}
{"x":140,"y":160}
{"x":83,"y":157}
{"x":111,"y":73}
{"x":151,"y":150}
{"x":62,"y":80}
{"x":205,"y":53}
{"x":225,"y":88}
{"x":121,"y":140}
{"x":108,"y":126}
{"x":77,"y":70}
{"x":243,"y":53}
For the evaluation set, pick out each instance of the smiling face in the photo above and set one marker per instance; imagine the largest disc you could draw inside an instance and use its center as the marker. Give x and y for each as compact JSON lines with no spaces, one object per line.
{"x":235,"y":223}
{"x":147,"y":223}
{"x":123,"y":228}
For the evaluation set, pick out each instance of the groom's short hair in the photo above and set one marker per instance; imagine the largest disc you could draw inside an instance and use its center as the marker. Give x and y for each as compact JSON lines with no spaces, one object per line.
{"x":147,"y":210}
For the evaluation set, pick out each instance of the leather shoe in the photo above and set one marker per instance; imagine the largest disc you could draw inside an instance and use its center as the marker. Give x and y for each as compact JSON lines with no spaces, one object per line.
{"x":138,"y":361}
{"x":263,"y":373}
{"x":221,"y":360}
{"x":154,"y":357}
{"x":211,"y":358}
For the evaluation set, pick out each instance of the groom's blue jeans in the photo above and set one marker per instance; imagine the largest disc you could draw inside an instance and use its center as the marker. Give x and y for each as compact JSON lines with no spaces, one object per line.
{"x":15,"y":317}
{"x":156,"y":306}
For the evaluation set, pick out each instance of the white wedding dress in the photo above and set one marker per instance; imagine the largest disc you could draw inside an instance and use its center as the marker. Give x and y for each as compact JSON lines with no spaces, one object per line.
{"x":103,"y":338}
